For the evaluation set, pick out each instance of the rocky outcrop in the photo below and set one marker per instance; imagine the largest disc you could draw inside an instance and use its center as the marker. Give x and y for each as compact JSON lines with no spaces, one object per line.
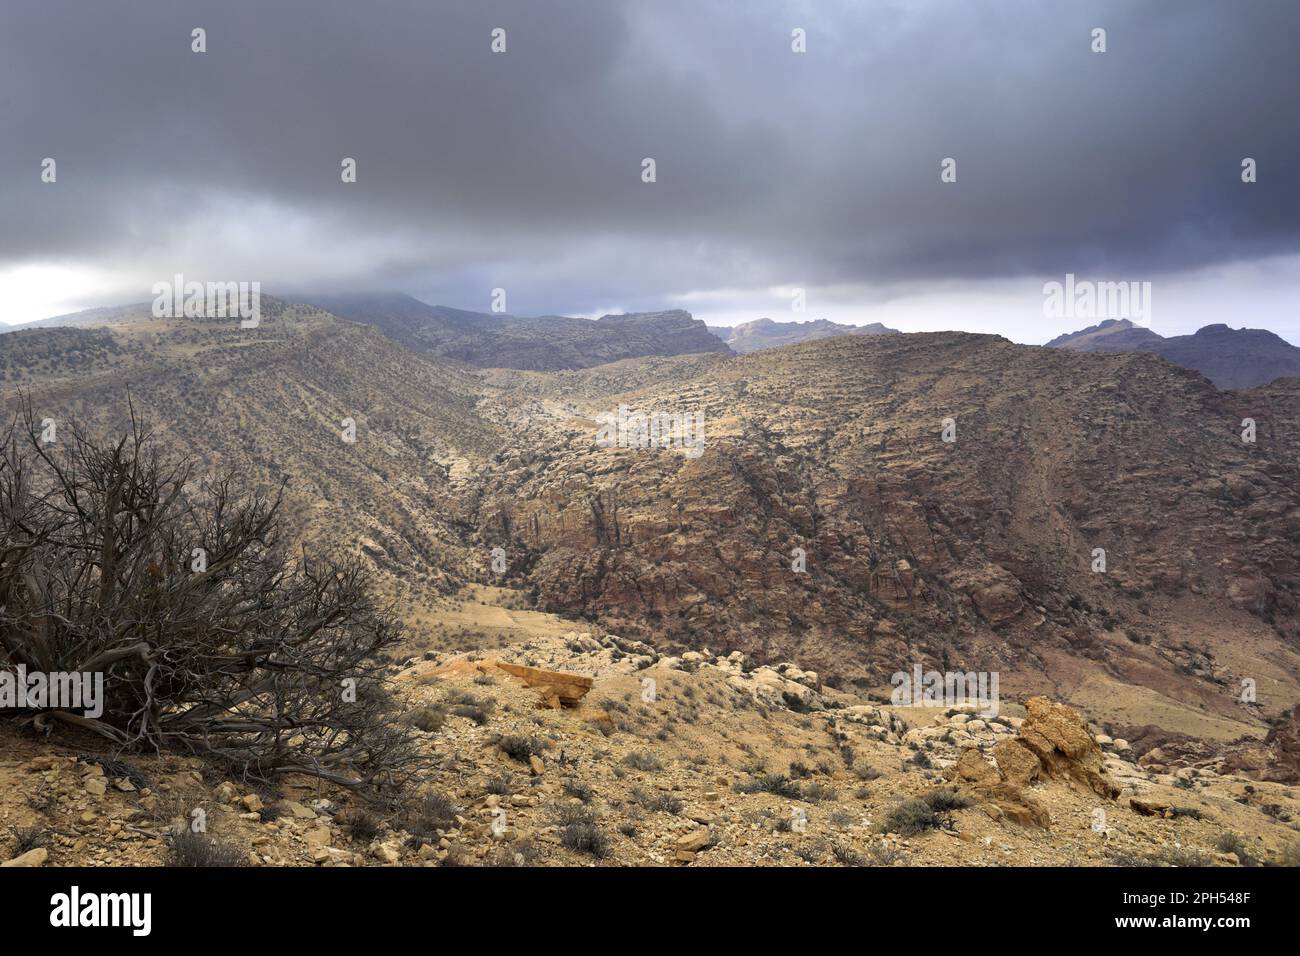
{"x":1065,"y":748}
{"x":556,"y":687}
{"x":1283,"y":742}
{"x":1001,"y":795}
{"x":1053,"y":743}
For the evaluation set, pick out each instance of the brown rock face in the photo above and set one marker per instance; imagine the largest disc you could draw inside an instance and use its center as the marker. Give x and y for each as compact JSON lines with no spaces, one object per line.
{"x":1016,"y":762}
{"x":1002,"y":796}
{"x":1059,"y":738}
{"x":827,"y":521}
{"x":1284,"y":744}
{"x":557,"y":687}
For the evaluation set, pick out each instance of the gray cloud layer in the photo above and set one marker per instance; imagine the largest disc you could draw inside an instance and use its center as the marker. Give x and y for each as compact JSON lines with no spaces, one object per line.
{"x":522,"y":170}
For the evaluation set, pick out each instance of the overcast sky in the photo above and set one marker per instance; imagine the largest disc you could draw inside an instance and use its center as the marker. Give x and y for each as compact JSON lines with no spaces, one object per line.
{"x":776,"y":170}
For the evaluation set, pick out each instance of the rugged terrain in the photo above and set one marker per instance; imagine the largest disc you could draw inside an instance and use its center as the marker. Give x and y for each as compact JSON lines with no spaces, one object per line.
{"x":692,"y":760}
{"x":976,"y":554}
{"x":826,"y":527}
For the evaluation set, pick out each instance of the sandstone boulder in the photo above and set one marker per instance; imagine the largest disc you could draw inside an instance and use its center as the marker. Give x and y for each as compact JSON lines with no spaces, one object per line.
{"x":1060,"y":739}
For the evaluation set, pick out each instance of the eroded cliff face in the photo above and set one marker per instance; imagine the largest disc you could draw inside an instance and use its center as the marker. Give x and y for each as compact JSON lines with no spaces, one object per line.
{"x":983,"y":549}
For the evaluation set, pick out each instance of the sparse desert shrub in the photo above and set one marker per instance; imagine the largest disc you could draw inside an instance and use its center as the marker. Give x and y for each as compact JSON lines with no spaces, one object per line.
{"x":502,"y":786}
{"x":842,"y":818}
{"x":1180,"y":857}
{"x":190,"y":849}
{"x":27,"y":839}
{"x":1234,"y":844}
{"x":578,"y":790}
{"x":361,"y":825}
{"x":1169,"y":856}
{"x":581,"y":834}
{"x":910,"y":818}
{"x":43,"y":802}
{"x":945,"y":801}
{"x":812,"y":852}
{"x":817,"y":791}
{"x":775,"y":783}
{"x":212,"y":638}
{"x":434,"y":811}
{"x":119,"y":769}
{"x":1276,"y":811}
{"x":657,"y":802}
{"x":521,"y":748}
{"x":474,"y":712}
{"x":643,"y":760}
{"x":847,"y":856}
{"x":884,"y":853}
{"x":428,"y":719}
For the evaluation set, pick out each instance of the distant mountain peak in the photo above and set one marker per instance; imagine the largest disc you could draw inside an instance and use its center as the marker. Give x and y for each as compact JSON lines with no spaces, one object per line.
{"x":766,"y":333}
{"x":1230,"y":358}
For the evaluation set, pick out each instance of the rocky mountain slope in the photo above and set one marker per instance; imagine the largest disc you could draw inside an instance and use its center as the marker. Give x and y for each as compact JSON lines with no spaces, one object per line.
{"x":274,"y":403}
{"x":767,"y":334}
{"x":1230,"y":358}
{"x":979,"y":554}
{"x":698,"y":760}
{"x":543,"y":343}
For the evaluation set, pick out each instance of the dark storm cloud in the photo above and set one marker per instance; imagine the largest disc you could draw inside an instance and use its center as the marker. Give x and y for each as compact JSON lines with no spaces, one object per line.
{"x":522,"y":169}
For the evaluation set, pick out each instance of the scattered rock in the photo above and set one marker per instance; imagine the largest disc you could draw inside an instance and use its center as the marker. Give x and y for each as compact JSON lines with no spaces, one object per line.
{"x":693,"y":842}
{"x":36,"y":857}
{"x":387,"y":853}
{"x":1149,"y":808}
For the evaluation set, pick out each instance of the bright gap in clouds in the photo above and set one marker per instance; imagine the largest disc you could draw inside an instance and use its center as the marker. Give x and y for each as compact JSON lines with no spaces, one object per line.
{"x":40,"y":291}
{"x":1264,"y":294}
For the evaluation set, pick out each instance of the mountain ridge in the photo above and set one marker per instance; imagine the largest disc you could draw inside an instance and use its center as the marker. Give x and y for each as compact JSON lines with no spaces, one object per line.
{"x":766,"y":333}
{"x":541,"y":343}
{"x":1230,"y":358}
